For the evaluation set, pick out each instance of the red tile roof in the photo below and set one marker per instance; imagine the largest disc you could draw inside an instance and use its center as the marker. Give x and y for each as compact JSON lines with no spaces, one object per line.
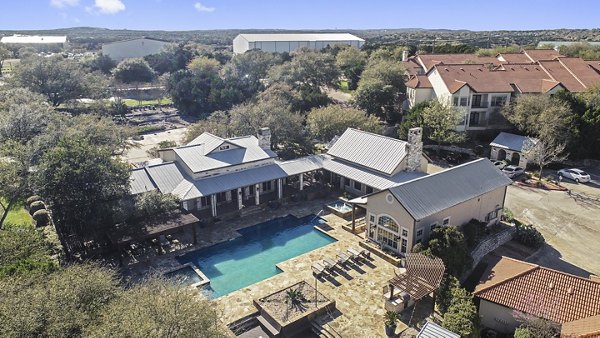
{"x":514,"y":57}
{"x":430,"y":60}
{"x":539,"y":291}
{"x":412,"y":66}
{"x":419,"y":81}
{"x":582,"y":328}
{"x":559,"y":73}
{"x":541,"y":54}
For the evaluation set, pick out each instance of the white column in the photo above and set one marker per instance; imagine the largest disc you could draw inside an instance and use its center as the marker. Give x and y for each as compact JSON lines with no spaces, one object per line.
{"x":213,"y":204}
{"x":257,"y":194}
{"x":301,"y":182}
{"x":279,"y":188}
{"x":342,"y":178}
{"x":228,"y":195}
{"x":240,"y":198}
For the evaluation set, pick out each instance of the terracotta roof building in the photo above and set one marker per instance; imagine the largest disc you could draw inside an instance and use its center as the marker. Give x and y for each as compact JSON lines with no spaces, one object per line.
{"x":512,"y":286}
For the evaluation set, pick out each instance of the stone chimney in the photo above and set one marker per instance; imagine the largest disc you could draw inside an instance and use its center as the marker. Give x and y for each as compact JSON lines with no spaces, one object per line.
{"x":404,"y":55}
{"x":264,"y":138}
{"x":415,"y":149}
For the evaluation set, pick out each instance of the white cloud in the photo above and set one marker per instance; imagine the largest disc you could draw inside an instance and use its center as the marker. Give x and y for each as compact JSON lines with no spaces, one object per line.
{"x":109,"y":6}
{"x":63,"y":3}
{"x":201,"y":8}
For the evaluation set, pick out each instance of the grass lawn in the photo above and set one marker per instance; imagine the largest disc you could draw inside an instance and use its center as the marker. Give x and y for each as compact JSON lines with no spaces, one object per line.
{"x":344,"y":86}
{"x":18,"y":215}
{"x":136,"y":103}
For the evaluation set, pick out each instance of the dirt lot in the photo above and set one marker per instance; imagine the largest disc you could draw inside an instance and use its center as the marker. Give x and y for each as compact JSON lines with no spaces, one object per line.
{"x":569,"y":222}
{"x":138,"y":154}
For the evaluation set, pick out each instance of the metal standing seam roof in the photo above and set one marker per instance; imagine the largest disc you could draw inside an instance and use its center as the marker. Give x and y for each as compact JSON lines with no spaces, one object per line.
{"x":373,"y":151}
{"x":301,"y":37}
{"x":140,"y":181}
{"x":433,"y":330}
{"x":166,"y":176}
{"x":513,"y":142}
{"x":425,"y":196}
{"x":199,"y":155}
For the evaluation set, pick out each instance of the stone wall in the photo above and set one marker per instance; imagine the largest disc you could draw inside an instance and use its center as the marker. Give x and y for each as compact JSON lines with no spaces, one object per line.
{"x":488,"y":245}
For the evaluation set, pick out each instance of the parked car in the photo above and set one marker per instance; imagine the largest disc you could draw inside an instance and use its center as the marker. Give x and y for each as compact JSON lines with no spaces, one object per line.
{"x":575,"y":174}
{"x":513,"y":171}
{"x":498,"y":164}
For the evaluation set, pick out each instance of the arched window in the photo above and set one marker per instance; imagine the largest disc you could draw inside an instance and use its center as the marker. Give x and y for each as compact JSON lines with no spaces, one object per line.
{"x":388,"y":222}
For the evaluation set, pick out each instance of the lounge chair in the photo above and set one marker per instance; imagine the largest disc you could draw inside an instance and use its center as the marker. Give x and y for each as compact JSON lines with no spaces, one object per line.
{"x":354,"y":255}
{"x":163,"y":240}
{"x":342,"y":258}
{"x":329,"y":263}
{"x":317,"y":268}
{"x":360,"y":252}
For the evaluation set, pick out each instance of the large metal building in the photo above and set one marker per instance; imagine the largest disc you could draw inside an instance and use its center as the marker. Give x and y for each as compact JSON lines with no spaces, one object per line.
{"x":280,"y":43}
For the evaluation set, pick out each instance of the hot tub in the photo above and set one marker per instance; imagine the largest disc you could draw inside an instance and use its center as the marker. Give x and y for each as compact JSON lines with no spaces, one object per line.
{"x":188,"y":275}
{"x":340,"y":208}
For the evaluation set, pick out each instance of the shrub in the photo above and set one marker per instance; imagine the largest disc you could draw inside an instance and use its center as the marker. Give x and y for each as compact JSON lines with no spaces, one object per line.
{"x":473,"y":231}
{"x":418,"y":248}
{"x":41,"y":218}
{"x":32,"y":199}
{"x":461,"y":316}
{"x":529,"y":236}
{"x":35,"y":206}
{"x":523,"y":332}
{"x":507,"y":215}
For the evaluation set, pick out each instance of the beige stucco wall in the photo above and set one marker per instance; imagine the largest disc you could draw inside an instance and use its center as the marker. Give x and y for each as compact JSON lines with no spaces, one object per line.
{"x":497,"y":317}
{"x":462,"y":213}
{"x":378,"y":205}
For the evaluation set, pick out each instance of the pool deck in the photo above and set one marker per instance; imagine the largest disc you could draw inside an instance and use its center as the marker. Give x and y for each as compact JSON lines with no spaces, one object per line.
{"x":357,"y":290}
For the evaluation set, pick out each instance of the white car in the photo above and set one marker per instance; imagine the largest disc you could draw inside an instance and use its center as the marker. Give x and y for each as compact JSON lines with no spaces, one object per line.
{"x":576,"y":175}
{"x":513,"y":171}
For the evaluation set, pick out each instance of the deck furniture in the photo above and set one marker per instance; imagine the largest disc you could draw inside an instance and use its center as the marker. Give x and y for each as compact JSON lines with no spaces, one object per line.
{"x":317,"y":268}
{"x":360,"y":252}
{"x":163,"y":241}
{"x":329,"y":263}
{"x":342,"y":258}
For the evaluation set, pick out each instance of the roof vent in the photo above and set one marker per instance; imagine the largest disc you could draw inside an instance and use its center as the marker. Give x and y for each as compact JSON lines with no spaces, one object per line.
{"x":447,"y":69}
{"x":570,"y":290}
{"x":551,"y":286}
{"x":462,"y":69}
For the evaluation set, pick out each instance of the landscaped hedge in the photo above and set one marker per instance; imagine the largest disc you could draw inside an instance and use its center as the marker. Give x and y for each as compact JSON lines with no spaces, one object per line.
{"x":41,"y":218}
{"x":35,"y":206}
{"x":529,"y":236}
{"x":32,"y":199}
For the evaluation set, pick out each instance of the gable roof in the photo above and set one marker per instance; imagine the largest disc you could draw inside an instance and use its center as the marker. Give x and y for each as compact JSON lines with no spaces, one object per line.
{"x":433,"y":330}
{"x":514,"y":58}
{"x":373,"y":151}
{"x":586,"y":327}
{"x":541,"y":54}
{"x":513,"y":142}
{"x":419,"y":81}
{"x":140,"y":181}
{"x":430,"y":60}
{"x":559,"y":73}
{"x":539,"y":291}
{"x":431,"y":194}
{"x":200,"y":155}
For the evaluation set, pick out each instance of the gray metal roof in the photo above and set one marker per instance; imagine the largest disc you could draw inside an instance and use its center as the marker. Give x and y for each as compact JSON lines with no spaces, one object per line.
{"x":433,"y":330}
{"x":431,"y":194}
{"x":34,"y":39}
{"x":201,"y":155}
{"x":513,"y":142}
{"x":301,"y":37}
{"x":140,"y":182}
{"x":371,"y":178}
{"x":369,"y":150}
{"x":212,"y":185}
{"x":166,"y":176}
{"x":302,"y":165}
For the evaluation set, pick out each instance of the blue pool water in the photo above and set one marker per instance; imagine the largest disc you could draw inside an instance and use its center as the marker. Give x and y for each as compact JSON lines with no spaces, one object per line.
{"x":251,"y":257}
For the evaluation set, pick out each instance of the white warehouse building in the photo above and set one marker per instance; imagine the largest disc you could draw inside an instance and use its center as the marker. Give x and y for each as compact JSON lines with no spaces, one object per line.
{"x":134,"y":48}
{"x":279,"y":43}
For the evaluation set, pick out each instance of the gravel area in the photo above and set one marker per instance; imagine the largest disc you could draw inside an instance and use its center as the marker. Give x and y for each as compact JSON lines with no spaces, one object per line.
{"x":278,"y":306}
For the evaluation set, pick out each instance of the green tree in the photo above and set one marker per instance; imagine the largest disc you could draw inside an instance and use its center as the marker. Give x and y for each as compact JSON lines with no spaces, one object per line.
{"x":440,"y":121}
{"x":307,"y":68}
{"x":158,"y":308}
{"x":380,"y":88}
{"x":542,"y":116}
{"x":102,"y":63}
{"x":449,"y":244}
{"x":523,"y":332}
{"x":205,"y":65}
{"x":23,"y":114}
{"x":58,"y":79}
{"x":81,"y":182}
{"x":352,"y":62}
{"x":4,"y":55}
{"x":172,"y":58}
{"x":536,"y":327}
{"x":462,"y":317}
{"x":326,"y":122}
{"x":217,"y":124}
{"x":197,"y":93}
{"x":133,"y":70}
{"x":25,"y":252}
{"x":153,"y":152}
{"x":414,"y":118}
{"x":250,"y":68}
{"x":443,"y":295}
{"x":154,"y":203}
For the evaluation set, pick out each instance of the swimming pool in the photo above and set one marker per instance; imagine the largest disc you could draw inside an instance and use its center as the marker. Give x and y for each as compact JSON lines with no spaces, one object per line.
{"x":251,"y":257}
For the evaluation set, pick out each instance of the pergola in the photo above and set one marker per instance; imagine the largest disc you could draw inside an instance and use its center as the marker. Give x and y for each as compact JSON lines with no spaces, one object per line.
{"x":422,"y":277}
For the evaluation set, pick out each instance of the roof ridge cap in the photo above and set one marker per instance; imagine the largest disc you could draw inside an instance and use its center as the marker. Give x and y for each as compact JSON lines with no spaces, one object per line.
{"x":375,"y":134}
{"x":439,"y":172}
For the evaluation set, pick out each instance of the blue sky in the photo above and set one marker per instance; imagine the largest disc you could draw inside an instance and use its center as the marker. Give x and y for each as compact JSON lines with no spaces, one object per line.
{"x":299,"y":14}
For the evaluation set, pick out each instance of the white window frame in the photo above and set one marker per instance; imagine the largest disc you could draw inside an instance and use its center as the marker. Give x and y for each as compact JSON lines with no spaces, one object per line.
{"x":446,"y":221}
{"x":433,"y":226}
{"x":419,"y":233}
{"x":402,"y":230}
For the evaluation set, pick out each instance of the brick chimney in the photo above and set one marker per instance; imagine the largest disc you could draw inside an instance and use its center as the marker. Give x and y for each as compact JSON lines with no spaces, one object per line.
{"x":264,"y":138}
{"x":415,"y":149}
{"x":404,"y":55}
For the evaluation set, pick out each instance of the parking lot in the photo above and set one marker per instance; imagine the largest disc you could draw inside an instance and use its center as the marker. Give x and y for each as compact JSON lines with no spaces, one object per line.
{"x":570,"y":222}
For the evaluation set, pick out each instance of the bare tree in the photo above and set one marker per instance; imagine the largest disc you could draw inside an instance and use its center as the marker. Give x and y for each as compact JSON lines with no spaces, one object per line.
{"x":546,"y":151}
